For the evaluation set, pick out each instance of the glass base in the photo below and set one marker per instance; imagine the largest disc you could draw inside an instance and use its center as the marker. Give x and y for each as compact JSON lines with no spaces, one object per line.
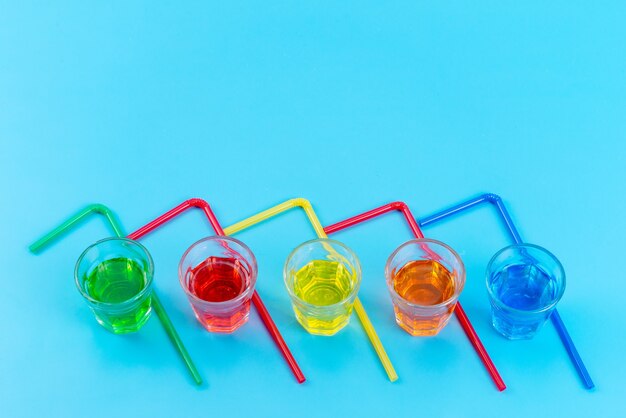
{"x":223,"y":325}
{"x":419,"y":326}
{"x":325,"y":327}
{"x":515,"y":331}
{"x":124,"y":324}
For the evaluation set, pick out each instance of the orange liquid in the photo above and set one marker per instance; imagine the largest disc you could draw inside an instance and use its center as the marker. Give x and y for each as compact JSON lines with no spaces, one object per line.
{"x":425,"y":283}
{"x":220,"y":279}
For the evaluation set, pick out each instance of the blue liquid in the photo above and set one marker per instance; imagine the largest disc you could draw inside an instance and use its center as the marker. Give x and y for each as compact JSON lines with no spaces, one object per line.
{"x":519,"y":288}
{"x":524,"y":287}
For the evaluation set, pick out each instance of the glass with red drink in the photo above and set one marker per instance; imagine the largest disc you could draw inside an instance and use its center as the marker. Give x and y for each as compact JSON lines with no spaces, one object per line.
{"x":218,"y":275}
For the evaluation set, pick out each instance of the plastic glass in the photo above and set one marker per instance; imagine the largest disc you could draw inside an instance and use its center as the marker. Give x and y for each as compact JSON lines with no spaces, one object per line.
{"x":106,"y":272}
{"x":230,"y":269}
{"x":438,"y":262}
{"x":322,"y":277}
{"x":503,"y":214}
{"x":524,"y":282}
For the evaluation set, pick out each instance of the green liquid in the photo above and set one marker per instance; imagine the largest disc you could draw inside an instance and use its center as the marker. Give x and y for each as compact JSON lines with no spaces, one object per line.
{"x":115,"y":281}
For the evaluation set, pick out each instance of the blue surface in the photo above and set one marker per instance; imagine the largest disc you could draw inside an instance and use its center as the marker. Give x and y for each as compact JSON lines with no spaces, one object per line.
{"x":140,"y":106}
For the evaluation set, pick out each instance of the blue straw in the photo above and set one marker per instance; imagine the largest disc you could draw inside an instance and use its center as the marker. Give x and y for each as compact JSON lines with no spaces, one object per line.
{"x":496,"y":201}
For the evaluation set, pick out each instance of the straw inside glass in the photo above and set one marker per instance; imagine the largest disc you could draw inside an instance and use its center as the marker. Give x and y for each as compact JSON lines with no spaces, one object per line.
{"x":164,"y":319}
{"x":506,"y":219}
{"x":256,"y":299}
{"x":304,"y":204}
{"x":458,"y":311}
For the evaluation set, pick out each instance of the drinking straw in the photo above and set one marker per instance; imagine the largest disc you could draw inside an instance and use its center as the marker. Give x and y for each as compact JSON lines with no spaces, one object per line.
{"x":167,"y":324}
{"x":459,"y":312}
{"x":502,"y":212}
{"x":256,"y":299}
{"x":319,"y":230}
{"x":60,"y":230}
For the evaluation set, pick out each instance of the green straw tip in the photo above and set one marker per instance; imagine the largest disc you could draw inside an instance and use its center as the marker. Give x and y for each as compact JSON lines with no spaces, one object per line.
{"x":34,"y":248}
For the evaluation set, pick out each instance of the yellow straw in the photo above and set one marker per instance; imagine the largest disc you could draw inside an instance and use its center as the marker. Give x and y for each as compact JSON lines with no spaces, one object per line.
{"x":319,"y":230}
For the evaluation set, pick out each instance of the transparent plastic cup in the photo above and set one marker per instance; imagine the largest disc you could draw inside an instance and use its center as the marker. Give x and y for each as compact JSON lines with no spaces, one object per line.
{"x":114,"y":276}
{"x":524,"y":282}
{"x":425,"y":278}
{"x":322,"y":277}
{"x":218,"y":275}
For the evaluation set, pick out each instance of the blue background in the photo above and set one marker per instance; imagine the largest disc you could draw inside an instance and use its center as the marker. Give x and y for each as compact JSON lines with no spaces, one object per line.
{"x":140,"y":105}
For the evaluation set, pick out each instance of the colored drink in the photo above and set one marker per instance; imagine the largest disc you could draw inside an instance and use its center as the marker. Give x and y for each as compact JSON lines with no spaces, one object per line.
{"x":116,"y":281}
{"x":524,"y":283}
{"x":323,"y":283}
{"x":220,"y":279}
{"x":424,"y":282}
{"x":322,"y":277}
{"x":218,"y":275}
{"x":115,"y":277}
{"x":425,"y":278}
{"x":524,"y":287}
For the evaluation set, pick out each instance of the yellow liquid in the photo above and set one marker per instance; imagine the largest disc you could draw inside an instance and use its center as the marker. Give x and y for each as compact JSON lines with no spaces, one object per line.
{"x":323,"y":283}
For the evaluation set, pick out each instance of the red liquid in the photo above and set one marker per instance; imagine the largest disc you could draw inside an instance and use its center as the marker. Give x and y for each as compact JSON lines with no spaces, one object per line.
{"x":220,"y":279}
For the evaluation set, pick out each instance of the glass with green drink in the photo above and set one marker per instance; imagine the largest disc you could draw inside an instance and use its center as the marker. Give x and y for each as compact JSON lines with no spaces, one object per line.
{"x":114,"y":275}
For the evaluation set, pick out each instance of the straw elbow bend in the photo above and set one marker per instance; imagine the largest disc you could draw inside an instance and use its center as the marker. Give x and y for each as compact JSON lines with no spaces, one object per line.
{"x":197,"y":202}
{"x":301,"y":202}
{"x":492,"y":198}
{"x":101,"y":209}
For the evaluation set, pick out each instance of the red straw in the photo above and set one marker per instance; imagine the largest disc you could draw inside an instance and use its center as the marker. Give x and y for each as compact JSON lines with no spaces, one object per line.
{"x":256,"y":299}
{"x":460,"y":313}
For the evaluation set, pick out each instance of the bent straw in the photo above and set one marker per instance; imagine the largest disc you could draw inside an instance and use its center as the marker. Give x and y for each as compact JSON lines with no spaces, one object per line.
{"x":73,"y":221}
{"x":497,"y":202}
{"x":319,"y":230}
{"x":459,"y":312}
{"x":256,"y":299}
{"x":169,"y":328}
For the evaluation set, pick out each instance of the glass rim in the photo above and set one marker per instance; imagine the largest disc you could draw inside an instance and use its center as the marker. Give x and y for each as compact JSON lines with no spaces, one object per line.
{"x":357,"y":270}
{"x":239,"y":298}
{"x":457,"y":289}
{"x":546,"y":308}
{"x":139,"y":295}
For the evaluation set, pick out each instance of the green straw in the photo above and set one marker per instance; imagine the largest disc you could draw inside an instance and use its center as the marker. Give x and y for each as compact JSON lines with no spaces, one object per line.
{"x":72,"y":221}
{"x":156,"y":303}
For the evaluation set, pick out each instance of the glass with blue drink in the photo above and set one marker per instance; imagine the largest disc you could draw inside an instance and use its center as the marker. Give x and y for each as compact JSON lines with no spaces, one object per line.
{"x":524,"y":283}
